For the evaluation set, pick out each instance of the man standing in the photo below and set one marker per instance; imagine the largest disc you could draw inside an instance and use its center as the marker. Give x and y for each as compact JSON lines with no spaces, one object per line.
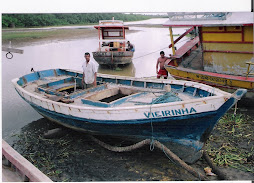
{"x":161,"y":61}
{"x":89,"y":73}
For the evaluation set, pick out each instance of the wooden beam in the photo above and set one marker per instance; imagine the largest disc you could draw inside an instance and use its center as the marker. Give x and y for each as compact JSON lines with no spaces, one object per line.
{"x":22,"y":164}
{"x":180,"y":37}
{"x":14,"y":50}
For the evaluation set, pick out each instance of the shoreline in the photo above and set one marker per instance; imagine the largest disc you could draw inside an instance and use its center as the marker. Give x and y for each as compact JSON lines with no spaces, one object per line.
{"x":21,"y":37}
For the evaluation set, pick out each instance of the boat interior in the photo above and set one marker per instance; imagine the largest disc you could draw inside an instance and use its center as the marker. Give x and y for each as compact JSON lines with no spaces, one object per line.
{"x":110,"y":92}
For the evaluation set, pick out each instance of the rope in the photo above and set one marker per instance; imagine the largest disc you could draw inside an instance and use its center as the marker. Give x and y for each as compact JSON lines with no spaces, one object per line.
{"x":235,"y":108}
{"x":157,"y":50}
{"x":152,"y":141}
{"x":221,"y":175}
{"x":156,"y":144}
{"x":121,"y":149}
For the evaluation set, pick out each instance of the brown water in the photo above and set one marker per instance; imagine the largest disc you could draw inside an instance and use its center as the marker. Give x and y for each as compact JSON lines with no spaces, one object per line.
{"x":68,"y":54}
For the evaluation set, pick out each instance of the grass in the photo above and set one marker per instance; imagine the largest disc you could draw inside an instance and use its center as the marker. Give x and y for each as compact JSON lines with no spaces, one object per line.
{"x":26,"y":35}
{"x":35,"y":35}
{"x":232,"y":141}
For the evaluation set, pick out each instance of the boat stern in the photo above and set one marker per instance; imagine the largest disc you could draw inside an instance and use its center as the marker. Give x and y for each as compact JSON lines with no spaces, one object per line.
{"x":239,"y":93}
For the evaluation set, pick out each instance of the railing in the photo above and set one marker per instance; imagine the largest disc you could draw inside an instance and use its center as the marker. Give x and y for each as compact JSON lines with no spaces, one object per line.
{"x":189,"y":16}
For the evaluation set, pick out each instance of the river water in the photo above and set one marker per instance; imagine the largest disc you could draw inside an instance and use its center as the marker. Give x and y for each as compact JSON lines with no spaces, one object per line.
{"x":69,"y":54}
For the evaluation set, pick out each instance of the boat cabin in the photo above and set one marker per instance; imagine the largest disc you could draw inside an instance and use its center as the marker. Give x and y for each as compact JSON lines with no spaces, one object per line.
{"x":223,"y":42}
{"x":111,"y":35}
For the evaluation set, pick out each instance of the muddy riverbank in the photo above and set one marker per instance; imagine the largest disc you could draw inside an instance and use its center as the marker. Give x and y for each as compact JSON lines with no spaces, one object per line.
{"x":21,"y":36}
{"x":75,"y":157}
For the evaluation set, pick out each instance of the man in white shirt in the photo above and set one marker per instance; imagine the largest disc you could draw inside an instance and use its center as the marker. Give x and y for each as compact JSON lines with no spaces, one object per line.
{"x":89,"y":72}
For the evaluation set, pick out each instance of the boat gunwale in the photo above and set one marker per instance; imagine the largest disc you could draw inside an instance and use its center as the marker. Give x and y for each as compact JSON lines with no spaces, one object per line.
{"x":219,"y":94}
{"x":218,"y":75}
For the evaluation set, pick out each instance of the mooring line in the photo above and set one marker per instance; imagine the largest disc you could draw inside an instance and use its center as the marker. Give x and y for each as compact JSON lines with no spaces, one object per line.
{"x":156,"y":144}
{"x":156,"y":50}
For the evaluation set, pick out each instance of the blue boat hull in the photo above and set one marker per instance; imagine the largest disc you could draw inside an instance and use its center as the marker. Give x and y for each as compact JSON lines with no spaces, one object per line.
{"x":184,"y":135}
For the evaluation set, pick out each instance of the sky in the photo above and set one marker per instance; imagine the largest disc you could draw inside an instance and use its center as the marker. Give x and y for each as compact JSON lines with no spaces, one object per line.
{"x":134,"y":6}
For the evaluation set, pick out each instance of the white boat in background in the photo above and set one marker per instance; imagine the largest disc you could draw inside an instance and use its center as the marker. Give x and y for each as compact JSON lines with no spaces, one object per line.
{"x":113,"y":49}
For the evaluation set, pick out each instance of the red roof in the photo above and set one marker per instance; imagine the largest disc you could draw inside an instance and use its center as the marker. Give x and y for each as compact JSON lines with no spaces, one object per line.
{"x":110,"y":27}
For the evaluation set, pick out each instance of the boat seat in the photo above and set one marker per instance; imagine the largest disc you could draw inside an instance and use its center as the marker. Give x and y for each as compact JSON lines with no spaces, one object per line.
{"x":114,"y":103}
{"x":63,"y":86}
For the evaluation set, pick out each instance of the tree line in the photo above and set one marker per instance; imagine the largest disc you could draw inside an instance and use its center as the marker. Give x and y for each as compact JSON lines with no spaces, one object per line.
{"x":37,"y":20}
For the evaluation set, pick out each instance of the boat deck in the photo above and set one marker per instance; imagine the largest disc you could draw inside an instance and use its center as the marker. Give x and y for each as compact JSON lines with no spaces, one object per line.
{"x":68,"y":89}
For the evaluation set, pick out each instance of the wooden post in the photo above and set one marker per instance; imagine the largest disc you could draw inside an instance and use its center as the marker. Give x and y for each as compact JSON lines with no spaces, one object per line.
{"x":99,"y":39}
{"x":172,"y":43}
{"x":22,"y":164}
{"x":248,"y":69}
{"x":123,"y":43}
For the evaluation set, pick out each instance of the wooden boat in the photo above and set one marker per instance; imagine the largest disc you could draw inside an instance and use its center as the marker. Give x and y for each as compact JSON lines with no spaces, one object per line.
{"x":180,"y":114}
{"x":221,"y":52}
{"x":112,"y":43}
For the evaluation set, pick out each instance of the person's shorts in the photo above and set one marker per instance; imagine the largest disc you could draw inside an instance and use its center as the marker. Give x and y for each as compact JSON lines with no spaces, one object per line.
{"x":163,"y":72}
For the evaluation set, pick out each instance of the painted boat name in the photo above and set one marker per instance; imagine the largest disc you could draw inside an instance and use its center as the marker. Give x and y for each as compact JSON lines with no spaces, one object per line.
{"x":173,"y":112}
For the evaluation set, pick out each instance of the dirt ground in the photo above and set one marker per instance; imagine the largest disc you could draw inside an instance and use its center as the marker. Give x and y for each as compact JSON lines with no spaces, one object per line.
{"x":74,"y":157}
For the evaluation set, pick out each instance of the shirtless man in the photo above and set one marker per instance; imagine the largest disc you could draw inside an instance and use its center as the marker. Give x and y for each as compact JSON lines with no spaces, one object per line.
{"x":161,"y":60}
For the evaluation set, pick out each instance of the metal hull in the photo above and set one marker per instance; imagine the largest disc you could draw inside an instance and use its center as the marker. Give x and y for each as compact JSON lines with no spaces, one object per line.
{"x":113,"y":57}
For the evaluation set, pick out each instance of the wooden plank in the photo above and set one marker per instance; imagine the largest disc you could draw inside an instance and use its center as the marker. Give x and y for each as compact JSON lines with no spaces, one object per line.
{"x":186,"y":47}
{"x":22,"y":164}
{"x":9,"y":175}
{"x":14,"y":50}
{"x":180,"y":37}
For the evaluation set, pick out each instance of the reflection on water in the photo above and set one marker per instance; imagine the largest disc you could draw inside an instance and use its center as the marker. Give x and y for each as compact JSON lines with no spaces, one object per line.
{"x":123,"y":70}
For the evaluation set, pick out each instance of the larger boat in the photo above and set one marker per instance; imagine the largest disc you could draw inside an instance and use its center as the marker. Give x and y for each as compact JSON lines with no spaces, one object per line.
{"x":219,"y":54}
{"x":179,"y":114}
{"x":113,"y":48}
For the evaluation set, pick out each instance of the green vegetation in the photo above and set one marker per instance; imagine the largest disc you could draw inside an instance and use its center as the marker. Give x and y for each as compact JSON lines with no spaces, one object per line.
{"x":232,"y":142}
{"x":24,"y":36}
{"x":38,"y":20}
{"x":230,"y":145}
